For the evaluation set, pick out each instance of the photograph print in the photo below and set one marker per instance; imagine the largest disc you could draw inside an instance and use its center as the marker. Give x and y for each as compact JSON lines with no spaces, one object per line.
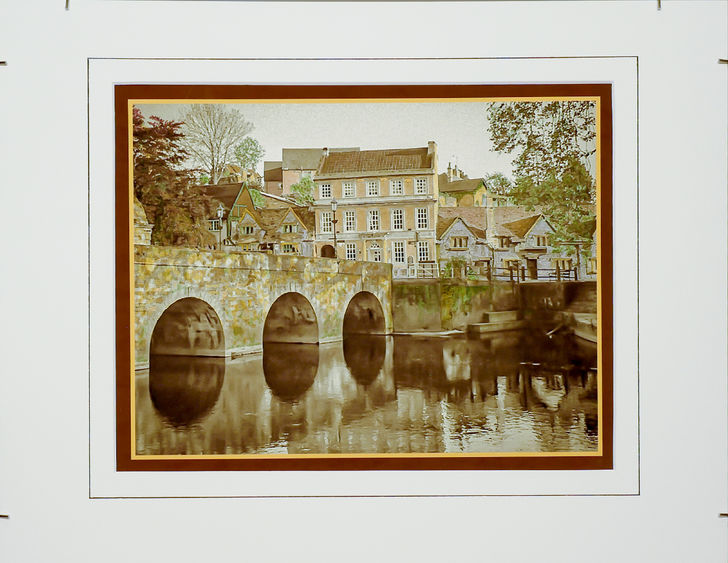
{"x":363,"y":277}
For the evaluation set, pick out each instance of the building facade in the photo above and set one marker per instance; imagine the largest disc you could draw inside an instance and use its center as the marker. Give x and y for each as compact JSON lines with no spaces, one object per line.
{"x":379,"y":206}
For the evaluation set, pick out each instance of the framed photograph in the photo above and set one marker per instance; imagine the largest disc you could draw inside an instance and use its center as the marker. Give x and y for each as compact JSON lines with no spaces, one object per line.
{"x":364,"y":277}
{"x":429,"y":290}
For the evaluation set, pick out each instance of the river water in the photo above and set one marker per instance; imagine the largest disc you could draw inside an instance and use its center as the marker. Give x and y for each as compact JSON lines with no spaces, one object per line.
{"x":515,"y":392}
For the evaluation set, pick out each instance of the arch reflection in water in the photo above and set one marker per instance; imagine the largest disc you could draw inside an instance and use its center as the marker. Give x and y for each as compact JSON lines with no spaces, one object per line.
{"x":364,"y":356}
{"x":290,"y":369}
{"x":184,"y":390}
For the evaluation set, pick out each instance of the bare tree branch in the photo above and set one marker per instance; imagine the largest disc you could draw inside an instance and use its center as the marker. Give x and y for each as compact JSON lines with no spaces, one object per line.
{"x":211,"y":134}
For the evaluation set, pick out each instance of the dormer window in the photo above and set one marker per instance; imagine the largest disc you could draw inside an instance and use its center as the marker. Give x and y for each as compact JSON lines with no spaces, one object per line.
{"x":504,"y":242}
{"x":541,"y":240}
{"x":247,"y":230}
{"x":290,"y":228}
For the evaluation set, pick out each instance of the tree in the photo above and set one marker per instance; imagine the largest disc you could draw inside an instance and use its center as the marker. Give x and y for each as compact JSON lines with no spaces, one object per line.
{"x":303,"y":191}
{"x":211,"y":134}
{"x":163,"y":186}
{"x":498,"y":183}
{"x":545,"y":136}
{"x":248,"y":153}
{"x":566,"y":201}
{"x":554,"y":144}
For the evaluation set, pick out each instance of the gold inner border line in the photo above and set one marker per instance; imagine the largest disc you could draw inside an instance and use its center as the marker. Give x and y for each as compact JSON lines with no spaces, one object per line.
{"x":489,"y":99}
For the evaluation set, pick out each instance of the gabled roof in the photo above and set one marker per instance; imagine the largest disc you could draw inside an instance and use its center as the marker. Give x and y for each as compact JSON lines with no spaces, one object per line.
{"x":445,"y":225}
{"x":472,"y":216}
{"x":465,"y":185}
{"x":510,"y":213}
{"x":386,"y":160}
{"x":226,"y":194}
{"x":521,"y":227}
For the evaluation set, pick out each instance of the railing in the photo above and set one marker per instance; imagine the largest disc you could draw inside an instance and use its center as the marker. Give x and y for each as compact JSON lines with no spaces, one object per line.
{"x":513,"y":273}
{"x":420,"y":270}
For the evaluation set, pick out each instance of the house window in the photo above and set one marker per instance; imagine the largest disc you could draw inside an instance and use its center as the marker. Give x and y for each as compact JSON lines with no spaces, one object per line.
{"x":250,"y":246}
{"x":372,"y":187}
{"x":504,"y":241}
{"x":287,"y":248}
{"x":422,"y":222}
{"x":215,"y":224}
{"x":289,"y":228}
{"x":396,"y":187}
{"x":511,"y":264}
{"x":420,"y":186}
{"x":459,"y":242}
{"x":397,"y":220}
{"x":349,"y":221}
{"x":563,"y":263}
{"x":375,"y":252}
{"x":247,"y":230}
{"x":325,"y":190}
{"x":541,"y":240}
{"x":347,"y":189}
{"x":326,"y":222}
{"x":350,"y":251}
{"x":423,"y":251}
{"x":398,"y":251}
{"x":373,"y":220}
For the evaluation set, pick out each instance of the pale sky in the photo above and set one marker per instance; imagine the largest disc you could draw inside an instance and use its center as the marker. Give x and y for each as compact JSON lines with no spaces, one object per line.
{"x":459,"y":128}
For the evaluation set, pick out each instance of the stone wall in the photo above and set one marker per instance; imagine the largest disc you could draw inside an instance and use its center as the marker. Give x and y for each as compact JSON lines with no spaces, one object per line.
{"x":420,"y":305}
{"x":241,"y":287}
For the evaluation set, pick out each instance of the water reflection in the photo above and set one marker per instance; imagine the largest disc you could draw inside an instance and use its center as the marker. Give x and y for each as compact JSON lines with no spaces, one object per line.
{"x":184,"y":389}
{"x":364,"y":356}
{"x":290,"y":369}
{"x":508,"y":392}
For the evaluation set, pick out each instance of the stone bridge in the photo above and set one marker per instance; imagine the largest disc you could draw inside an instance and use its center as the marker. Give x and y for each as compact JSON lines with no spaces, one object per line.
{"x":214,"y":303}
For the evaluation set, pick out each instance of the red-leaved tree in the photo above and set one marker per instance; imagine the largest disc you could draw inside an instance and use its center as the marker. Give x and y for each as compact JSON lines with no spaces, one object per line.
{"x":165,"y":187}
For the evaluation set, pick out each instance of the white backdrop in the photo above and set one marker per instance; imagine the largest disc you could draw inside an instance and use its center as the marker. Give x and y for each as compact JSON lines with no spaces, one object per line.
{"x":44,"y":388}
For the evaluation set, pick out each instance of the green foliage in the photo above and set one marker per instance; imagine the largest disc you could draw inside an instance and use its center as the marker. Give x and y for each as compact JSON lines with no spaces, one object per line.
{"x":249,"y":153}
{"x":566,"y":201}
{"x":303,"y":191}
{"x":544,"y":136}
{"x":257,"y":197}
{"x":178,"y":212}
{"x":554,"y":144}
{"x":498,"y":183}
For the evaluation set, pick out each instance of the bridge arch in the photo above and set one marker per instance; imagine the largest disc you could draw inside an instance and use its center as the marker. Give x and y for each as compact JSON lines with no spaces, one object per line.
{"x":291,"y":318}
{"x":364,"y":315}
{"x":188,"y":327}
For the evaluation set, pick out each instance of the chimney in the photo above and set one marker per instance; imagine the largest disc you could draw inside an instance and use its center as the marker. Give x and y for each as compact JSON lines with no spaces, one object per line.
{"x":432,"y":152}
{"x":449,"y":172}
{"x":326,"y":151}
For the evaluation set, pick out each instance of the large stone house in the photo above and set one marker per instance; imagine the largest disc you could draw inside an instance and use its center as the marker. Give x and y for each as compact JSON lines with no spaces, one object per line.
{"x":380,"y":206}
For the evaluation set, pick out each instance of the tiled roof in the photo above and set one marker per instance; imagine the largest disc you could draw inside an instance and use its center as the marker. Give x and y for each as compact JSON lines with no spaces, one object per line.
{"x":308,"y":159}
{"x":443,"y":224}
{"x":510,"y":213}
{"x":467,"y":185}
{"x":223,"y":193}
{"x":473,"y":216}
{"x":522,"y":226}
{"x":376,"y":160}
